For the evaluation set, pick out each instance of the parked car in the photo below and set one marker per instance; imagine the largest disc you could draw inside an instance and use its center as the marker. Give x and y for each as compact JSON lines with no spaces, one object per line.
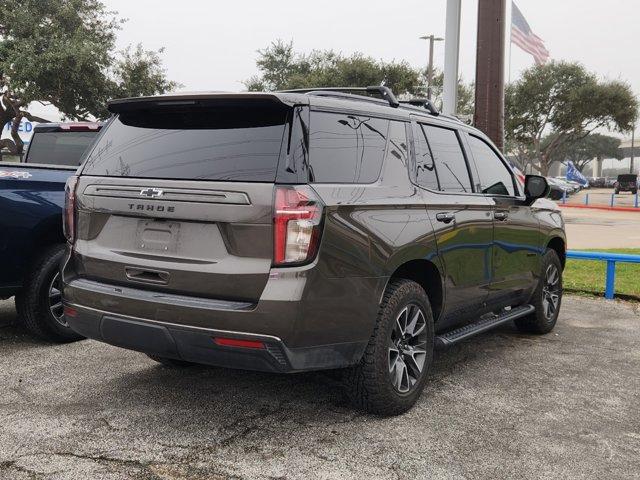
{"x":609,"y":182}
{"x":558,"y":189}
{"x":572,"y":187}
{"x":305,"y":230}
{"x":31,"y":240}
{"x":626,"y":183}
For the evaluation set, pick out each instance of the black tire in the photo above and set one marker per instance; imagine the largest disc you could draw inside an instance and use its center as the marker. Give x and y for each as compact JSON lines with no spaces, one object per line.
{"x":543,"y":320}
{"x":369,"y":385}
{"x":33,"y":302}
{"x":170,"y":362}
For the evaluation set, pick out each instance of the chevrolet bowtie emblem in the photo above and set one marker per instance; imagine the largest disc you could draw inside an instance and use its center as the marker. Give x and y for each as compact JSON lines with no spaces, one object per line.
{"x":151,"y":192}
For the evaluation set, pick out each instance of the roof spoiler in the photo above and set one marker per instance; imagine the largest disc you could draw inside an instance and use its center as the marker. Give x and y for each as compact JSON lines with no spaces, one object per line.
{"x":212,"y":98}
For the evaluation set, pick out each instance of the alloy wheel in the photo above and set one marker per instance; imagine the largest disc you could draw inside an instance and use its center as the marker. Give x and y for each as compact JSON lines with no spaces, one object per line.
{"x":551,"y":292}
{"x":55,"y":300}
{"x":407,"y":348}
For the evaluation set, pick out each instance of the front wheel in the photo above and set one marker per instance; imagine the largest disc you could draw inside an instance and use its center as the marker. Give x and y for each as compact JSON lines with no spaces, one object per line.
{"x":393,"y":370}
{"x":546,"y":299}
{"x":39,"y":304}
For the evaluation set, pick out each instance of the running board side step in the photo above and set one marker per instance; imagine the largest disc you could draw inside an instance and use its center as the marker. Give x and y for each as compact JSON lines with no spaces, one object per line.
{"x":462,"y":333}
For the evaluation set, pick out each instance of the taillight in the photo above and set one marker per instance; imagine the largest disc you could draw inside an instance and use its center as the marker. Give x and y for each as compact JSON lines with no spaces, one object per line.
{"x":297,"y":222}
{"x":69,"y":216}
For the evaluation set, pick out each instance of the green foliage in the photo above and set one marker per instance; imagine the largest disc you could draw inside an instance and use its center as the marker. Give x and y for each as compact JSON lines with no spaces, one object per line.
{"x":466,"y":94}
{"x":566,"y":100}
{"x":62,"y":52}
{"x":139,"y":72}
{"x":281,"y":68}
{"x":581,"y":150}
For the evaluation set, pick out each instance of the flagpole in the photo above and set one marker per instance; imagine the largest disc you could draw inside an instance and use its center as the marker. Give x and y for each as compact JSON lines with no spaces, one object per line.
{"x":510,"y":16}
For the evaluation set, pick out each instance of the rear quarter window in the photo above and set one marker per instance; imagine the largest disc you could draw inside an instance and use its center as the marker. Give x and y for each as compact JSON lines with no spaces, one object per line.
{"x":346,"y":148}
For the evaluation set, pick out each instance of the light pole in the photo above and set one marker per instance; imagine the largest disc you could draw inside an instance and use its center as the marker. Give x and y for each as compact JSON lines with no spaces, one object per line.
{"x":432,"y":39}
{"x":451,"y":55}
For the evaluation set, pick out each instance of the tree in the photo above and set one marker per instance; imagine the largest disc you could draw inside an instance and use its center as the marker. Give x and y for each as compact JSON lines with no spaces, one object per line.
{"x":62,"y":53}
{"x":466,"y":94}
{"x":582,"y":150}
{"x":566,"y":100}
{"x":281,"y":68}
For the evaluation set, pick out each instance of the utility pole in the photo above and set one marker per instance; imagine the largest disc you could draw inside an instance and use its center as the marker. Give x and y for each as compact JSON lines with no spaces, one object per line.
{"x":432,"y":39}
{"x":451,"y":55}
{"x":489,"y":106}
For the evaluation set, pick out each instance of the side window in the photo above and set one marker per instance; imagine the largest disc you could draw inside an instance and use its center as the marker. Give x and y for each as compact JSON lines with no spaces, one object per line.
{"x":426,"y":175}
{"x":449,"y":160}
{"x":346,"y":148}
{"x":494,"y":177}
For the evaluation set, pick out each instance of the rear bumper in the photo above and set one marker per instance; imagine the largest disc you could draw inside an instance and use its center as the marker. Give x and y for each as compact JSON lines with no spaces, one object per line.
{"x":197,"y":345}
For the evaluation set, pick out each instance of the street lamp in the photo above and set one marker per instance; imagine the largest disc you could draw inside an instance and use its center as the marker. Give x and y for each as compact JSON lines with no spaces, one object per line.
{"x":432,"y":39}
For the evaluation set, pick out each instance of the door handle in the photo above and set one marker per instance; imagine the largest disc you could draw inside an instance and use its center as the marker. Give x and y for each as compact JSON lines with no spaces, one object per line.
{"x":502,"y":216}
{"x":445,"y":217}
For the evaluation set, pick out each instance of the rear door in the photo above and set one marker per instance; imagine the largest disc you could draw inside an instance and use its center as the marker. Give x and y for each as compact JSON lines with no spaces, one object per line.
{"x":179,"y":199}
{"x":461,"y":220}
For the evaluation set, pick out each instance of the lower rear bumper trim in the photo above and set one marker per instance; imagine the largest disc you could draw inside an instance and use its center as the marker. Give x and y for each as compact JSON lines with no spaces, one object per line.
{"x":196,"y":344}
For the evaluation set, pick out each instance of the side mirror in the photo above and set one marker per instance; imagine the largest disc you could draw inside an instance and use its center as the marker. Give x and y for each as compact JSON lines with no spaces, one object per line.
{"x":535,"y":186}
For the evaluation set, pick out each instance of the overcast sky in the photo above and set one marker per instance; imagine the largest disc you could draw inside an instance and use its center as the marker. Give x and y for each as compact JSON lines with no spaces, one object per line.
{"x":211,"y":45}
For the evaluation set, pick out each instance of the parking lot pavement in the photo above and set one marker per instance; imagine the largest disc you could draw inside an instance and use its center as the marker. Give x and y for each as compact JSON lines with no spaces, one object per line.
{"x":589,"y":228}
{"x":504,"y":405}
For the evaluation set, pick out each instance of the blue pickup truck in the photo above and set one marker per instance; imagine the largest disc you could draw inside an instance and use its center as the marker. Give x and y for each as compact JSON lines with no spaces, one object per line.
{"x":31,"y":240}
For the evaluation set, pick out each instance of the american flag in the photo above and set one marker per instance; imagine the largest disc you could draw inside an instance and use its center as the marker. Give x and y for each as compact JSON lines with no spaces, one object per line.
{"x":523,"y":37}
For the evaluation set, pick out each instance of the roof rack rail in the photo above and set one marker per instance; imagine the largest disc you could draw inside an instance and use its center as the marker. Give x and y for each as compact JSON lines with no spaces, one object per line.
{"x":384,"y":92}
{"x":423,"y":103}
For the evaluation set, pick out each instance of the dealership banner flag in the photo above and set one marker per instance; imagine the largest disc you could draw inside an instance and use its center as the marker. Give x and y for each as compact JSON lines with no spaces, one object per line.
{"x":523,"y":36}
{"x":574,"y":174}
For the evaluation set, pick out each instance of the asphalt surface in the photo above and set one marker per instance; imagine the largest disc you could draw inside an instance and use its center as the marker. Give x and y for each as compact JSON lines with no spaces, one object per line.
{"x":601,"y":229}
{"x":602,"y":197}
{"x":503,"y":405}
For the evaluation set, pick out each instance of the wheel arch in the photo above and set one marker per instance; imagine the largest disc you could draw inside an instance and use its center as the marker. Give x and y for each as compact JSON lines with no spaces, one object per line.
{"x":559,"y":245}
{"x":426,"y":274}
{"x":46,"y":233}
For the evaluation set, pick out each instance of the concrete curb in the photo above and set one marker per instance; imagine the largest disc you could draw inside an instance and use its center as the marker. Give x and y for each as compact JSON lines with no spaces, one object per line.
{"x":596,"y":207}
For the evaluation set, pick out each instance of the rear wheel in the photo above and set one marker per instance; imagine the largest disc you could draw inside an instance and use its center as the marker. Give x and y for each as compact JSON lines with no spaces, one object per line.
{"x":39,"y":304}
{"x":393,"y":370}
{"x":170,"y":362}
{"x":547,"y":298}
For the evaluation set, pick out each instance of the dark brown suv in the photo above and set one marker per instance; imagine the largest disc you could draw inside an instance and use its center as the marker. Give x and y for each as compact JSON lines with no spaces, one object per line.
{"x":305,"y":230}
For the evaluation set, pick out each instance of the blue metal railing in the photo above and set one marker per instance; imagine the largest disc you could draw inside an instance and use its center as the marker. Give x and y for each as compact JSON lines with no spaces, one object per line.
{"x":612,"y":199}
{"x":611,"y":259}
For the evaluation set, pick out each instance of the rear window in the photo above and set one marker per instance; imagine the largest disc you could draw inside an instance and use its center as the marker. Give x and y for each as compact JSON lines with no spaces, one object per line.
{"x":627,"y":178}
{"x":237,"y":143}
{"x":59,"y":148}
